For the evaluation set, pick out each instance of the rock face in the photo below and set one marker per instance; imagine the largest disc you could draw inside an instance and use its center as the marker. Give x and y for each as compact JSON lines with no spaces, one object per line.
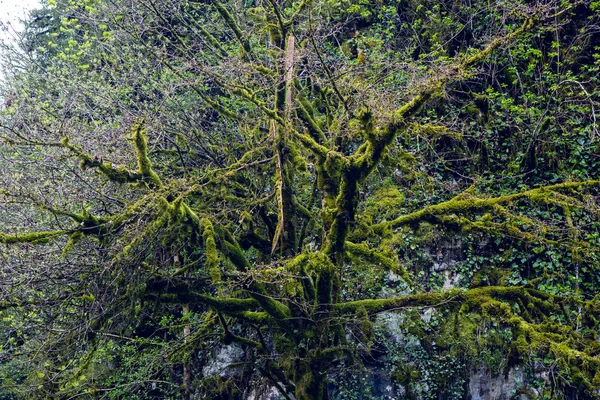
{"x":483,"y":386}
{"x":221,"y":361}
{"x":446,"y":255}
{"x":265,"y":393}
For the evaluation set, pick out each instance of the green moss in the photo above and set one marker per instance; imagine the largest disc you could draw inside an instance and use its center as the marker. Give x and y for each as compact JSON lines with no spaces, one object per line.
{"x":229,"y":305}
{"x":230,"y":20}
{"x":74,"y":238}
{"x":463,"y":204}
{"x":385,"y":202}
{"x":379,"y":305}
{"x":210,"y":249}
{"x":118,"y":174}
{"x":434,"y":132}
{"x":32,"y":237}
{"x":138,"y":135}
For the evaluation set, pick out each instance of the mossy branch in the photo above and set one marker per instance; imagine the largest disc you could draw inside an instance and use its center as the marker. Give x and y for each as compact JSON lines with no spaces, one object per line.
{"x":138,"y":135}
{"x":472,"y":297}
{"x":303,"y":5}
{"x":434,"y":131}
{"x":466,"y":202}
{"x":233,"y":25}
{"x":119,"y":174}
{"x":180,"y":294}
{"x":280,"y":20}
{"x":313,"y":128}
{"x":320,"y":151}
{"x":210,"y":249}
{"x":32,"y":237}
{"x":212,"y":40}
{"x":279,"y":311}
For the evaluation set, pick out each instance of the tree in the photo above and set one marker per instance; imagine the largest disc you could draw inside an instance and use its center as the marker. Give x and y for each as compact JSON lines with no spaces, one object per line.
{"x":282,"y":159}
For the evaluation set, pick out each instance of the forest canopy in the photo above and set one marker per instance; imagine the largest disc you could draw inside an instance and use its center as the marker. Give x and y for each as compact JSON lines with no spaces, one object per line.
{"x":240,"y":199}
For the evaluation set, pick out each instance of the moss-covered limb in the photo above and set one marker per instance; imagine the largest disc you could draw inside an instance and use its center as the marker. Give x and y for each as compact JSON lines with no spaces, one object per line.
{"x":304,"y":212}
{"x":74,"y":238}
{"x":471,"y":297}
{"x":496,"y":43}
{"x":563,"y":342}
{"x":85,"y":218}
{"x":276,"y":309}
{"x":567,"y":347}
{"x":357,"y":168}
{"x":254,"y":317}
{"x":210,"y":249}
{"x":376,"y":256}
{"x":180,"y":292}
{"x":465,"y":203}
{"x":223,"y":111}
{"x":251,"y":96}
{"x":299,"y":9}
{"x":138,"y":135}
{"x":278,"y":36}
{"x":380,"y":305}
{"x":346,"y":203}
{"x":313,"y":127}
{"x":433,"y":131}
{"x":210,"y":38}
{"x":258,"y":317}
{"x":306,"y":267}
{"x":325,"y":284}
{"x":319,"y":150}
{"x":279,"y":311}
{"x":229,"y":337}
{"x":231,"y":22}
{"x":509,"y":228}
{"x":119,"y":174}
{"x":32,"y":237}
{"x":235,"y":254}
